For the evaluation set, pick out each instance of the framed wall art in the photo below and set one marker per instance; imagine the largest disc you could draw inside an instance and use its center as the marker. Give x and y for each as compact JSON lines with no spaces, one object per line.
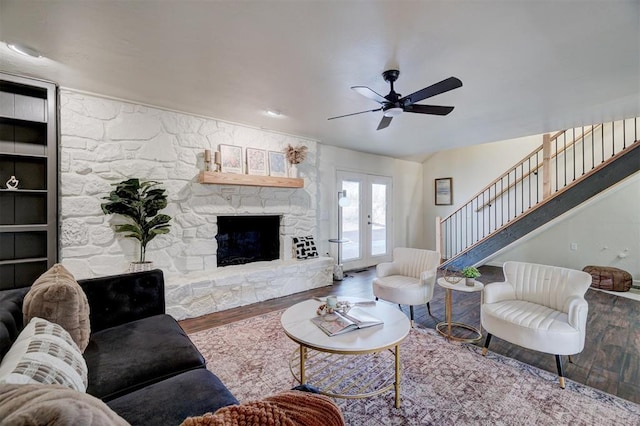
{"x":256,"y":161}
{"x":277,"y":165}
{"x":230,"y":158}
{"x":444,"y":191}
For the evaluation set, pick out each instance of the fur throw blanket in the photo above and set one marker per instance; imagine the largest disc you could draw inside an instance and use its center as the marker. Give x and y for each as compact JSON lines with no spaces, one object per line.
{"x":290,"y":408}
{"x":53,"y":405}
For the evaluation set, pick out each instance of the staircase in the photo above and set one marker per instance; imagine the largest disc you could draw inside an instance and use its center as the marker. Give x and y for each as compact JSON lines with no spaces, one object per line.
{"x":567,"y":169}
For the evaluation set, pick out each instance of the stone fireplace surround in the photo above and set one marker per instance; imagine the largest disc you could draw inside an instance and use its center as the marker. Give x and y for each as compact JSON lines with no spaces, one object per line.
{"x":104,"y":141}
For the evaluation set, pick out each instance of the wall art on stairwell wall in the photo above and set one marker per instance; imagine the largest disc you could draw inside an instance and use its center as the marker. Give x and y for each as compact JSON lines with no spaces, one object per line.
{"x":444,"y":191}
{"x":231,"y":158}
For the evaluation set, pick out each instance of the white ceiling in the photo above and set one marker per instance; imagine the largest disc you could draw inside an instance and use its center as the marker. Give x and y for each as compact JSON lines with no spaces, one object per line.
{"x":528,"y":67}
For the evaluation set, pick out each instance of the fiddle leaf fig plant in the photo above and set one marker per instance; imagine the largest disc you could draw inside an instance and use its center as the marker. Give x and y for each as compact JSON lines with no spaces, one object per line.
{"x":141,"y":203}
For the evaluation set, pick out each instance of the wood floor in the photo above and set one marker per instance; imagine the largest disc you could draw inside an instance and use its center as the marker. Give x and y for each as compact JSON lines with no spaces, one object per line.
{"x":610,"y":360}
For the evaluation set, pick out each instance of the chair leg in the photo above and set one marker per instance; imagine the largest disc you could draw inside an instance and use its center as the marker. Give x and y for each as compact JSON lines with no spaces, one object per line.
{"x":487,"y":340}
{"x":411,"y":315}
{"x":429,"y":309}
{"x":376,"y":298}
{"x":560,"y":371}
{"x":571,"y":359}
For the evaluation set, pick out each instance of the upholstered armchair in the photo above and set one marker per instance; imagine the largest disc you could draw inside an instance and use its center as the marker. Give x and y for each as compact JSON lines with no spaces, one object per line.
{"x":538,"y":307}
{"x":409,"y":279}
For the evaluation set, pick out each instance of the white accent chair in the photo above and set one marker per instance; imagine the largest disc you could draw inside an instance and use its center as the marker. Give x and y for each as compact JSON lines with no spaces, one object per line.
{"x":538,"y":307}
{"x":409,"y":279}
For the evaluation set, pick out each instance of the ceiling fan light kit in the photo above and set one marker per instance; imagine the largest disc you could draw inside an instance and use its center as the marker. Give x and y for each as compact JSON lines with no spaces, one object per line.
{"x":394,"y":104}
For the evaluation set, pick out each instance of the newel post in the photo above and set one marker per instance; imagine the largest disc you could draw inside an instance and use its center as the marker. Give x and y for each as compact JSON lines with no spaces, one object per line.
{"x":546,"y":166}
{"x":439,"y":237}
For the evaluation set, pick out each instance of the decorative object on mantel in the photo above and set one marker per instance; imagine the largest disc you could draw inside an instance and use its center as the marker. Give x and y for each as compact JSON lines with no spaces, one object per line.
{"x":277,"y":166}
{"x":470,"y":273}
{"x":256,"y":162}
{"x":141,"y":203}
{"x":295,"y":156}
{"x":231,"y":158}
{"x":12,"y":183}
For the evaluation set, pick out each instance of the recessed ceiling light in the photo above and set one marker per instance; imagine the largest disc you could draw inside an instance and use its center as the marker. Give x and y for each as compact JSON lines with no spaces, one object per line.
{"x":24,"y":50}
{"x":273,"y":113}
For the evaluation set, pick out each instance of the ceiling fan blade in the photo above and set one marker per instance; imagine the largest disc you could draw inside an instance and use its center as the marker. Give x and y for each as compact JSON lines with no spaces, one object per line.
{"x":355,"y":113}
{"x":384,"y":123}
{"x":435,"y":89}
{"x":429,"y":109}
{"x":365,"y":91}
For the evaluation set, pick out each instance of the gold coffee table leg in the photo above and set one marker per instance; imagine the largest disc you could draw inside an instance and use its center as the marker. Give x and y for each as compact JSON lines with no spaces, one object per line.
{"x":397,"y":386}
{"x":303,"y":355}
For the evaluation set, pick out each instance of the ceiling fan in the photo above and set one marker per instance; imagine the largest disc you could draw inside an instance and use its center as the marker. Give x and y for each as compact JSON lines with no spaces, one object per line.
{"x":393,"y":104}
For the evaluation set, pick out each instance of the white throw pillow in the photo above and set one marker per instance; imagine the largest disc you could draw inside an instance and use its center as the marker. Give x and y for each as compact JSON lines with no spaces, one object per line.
{"x":44,"y":353}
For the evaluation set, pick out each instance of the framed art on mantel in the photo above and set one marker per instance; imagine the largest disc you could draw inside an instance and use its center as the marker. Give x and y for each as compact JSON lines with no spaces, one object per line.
{"x":444,"y":191}
{"x":256,"y":161}
{"x":231,"y":158}
{"x":277,"y":166}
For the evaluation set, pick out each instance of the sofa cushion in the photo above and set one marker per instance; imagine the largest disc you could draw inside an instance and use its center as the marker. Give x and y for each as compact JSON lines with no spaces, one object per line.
{"x":53,"y":405}
{"x":170,"y":401}
{"x":10,"y":317}
{"x":57,"y":297}
{"x":131,"y":356}
{"x":44,"y":353}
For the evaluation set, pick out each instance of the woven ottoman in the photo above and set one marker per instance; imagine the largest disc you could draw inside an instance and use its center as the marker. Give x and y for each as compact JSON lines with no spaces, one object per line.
{"x":609,"y":278}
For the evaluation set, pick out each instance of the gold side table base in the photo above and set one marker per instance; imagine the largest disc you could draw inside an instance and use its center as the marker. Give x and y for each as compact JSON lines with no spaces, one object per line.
{"x":447,"y":332}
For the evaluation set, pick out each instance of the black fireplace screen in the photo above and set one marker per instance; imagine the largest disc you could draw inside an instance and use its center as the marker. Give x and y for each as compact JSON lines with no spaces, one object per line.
{"x":246,"y":239}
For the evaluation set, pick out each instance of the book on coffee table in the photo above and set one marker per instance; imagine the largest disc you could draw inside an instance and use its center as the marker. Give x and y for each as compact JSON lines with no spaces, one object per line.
{"x":338,"y":322}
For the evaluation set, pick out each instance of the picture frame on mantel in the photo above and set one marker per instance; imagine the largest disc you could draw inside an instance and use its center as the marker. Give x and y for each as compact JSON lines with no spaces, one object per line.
{"x":277,"y":165}
{"x":230,"y":159}
{"x":256,"y":161}
{"x":444,"y":191}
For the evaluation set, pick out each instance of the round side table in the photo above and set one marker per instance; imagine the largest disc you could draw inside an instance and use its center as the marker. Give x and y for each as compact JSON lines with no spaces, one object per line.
{"x":445,"y":328}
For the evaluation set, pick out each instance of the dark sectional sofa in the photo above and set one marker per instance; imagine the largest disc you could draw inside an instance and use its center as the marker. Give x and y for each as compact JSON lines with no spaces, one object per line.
{"x":140,"y":361}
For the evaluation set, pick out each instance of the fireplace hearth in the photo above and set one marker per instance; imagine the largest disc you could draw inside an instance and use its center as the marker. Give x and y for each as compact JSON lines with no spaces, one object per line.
{"x":246,"y":239}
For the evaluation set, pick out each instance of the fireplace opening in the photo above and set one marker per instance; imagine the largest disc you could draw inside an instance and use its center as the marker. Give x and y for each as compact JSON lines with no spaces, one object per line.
{"x":246,"y":239}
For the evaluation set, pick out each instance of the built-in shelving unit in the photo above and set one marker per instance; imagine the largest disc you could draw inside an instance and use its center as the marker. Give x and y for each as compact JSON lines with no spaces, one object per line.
{"x":28,"y":151}
{"x":216,"y":178}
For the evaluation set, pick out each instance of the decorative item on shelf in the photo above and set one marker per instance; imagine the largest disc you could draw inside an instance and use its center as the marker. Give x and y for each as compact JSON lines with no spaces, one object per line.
{"x":231,"y":159}
{"x":470,"y":273}
{"x":12,"y":183}
{"x":295,"y":156}
{"x":216,"y":161}
{"x":256,"y":162}
{"x":207,"y":160}
{"x":452,"y":277}
{"x":140,"y":202}
{"x":277,"y":166}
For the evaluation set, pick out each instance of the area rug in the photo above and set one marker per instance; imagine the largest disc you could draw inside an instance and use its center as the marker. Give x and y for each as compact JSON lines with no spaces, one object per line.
{"x":442,"y":383}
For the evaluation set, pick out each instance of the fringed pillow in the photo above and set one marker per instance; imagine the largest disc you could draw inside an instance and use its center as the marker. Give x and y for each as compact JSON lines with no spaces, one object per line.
{"x":305,"y":247}
{"x":57,"y":297}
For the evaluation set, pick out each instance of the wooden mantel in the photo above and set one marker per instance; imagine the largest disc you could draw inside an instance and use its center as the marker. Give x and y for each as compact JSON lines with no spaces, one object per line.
{"x":216,"y":178}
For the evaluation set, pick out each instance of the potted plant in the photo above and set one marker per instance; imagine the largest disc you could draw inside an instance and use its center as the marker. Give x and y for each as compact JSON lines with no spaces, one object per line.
{"x":470,"y":273}
{"x":295,"y":156}
{"x":141,"y":203}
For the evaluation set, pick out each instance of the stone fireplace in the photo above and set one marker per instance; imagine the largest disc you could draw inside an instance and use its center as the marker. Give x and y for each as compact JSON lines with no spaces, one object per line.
{"x":104,"y":141}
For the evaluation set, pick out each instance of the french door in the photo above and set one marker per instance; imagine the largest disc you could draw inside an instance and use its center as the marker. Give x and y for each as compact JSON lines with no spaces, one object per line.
{"x":366,"y":220}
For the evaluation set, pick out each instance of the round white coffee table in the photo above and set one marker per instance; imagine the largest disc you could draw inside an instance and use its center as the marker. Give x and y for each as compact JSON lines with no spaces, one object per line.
{"x":356,"y":364}
{"x":445,"y":328}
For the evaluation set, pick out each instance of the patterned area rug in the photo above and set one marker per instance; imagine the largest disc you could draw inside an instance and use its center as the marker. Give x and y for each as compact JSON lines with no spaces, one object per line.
{"x":442,"y":383}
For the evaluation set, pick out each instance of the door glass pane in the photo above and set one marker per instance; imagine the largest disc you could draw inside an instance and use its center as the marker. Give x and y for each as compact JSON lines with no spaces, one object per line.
{"x":351,"y":221}
{"x":378,"y":219}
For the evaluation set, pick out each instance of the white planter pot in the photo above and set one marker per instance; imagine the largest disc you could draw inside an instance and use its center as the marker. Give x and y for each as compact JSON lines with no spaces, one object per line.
{"x":140,"y":266}
{"x":470,"y":282}
{"x":293,"y":170}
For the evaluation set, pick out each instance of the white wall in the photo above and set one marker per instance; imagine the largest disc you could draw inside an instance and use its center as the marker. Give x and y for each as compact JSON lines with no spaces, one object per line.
{"x":408,"y":229}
